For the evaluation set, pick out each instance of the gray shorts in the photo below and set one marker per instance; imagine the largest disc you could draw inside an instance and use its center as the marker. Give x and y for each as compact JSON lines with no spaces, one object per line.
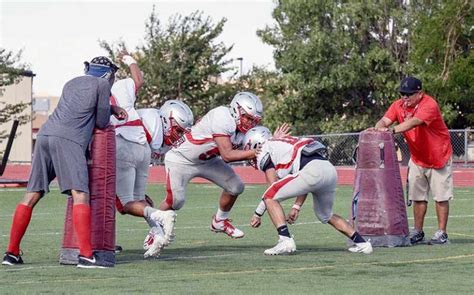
{"x":132,"y":161}
{"x":215,"y":170}
{"x":61,"y":158}
{"x":318,"y":177}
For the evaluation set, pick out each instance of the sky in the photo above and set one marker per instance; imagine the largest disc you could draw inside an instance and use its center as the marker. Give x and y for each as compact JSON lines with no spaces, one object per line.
{"x":56,"y":37}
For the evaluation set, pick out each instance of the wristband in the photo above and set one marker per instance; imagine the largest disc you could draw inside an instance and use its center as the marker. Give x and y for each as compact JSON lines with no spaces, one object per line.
{"x":296,"y":206}
{"x":259,"y":215}
{"x":128,"y":60}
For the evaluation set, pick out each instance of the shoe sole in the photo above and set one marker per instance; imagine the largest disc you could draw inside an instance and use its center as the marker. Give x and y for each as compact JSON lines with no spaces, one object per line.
{"x":438,"y":244}
{"x":279,"y":254}
{"x":218,"y":231}
{"x":9,"y":263}
{"x":91,"y":266}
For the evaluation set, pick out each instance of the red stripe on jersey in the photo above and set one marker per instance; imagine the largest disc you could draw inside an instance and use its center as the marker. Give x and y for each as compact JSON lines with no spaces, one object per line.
{"x":276,"y":186}
{"x":192,"y":140}
{"x":113,"y":100}
{"x":138,"y":122}
{"x":296,"y":147}
{"x":169,"y":192}
{"x":220,"y":135}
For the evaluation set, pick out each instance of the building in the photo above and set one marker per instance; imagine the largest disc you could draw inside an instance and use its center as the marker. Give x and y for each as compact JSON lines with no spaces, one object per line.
{"x":21,"y":92}
{"x":38,"y":110}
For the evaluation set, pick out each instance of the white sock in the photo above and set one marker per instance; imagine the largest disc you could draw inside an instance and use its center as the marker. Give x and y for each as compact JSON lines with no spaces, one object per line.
{"x":221,"y":215}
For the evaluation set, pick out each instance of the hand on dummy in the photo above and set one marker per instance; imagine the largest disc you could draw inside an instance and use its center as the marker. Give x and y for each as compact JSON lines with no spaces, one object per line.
{"x":282,"y":131}
{"x":255,"y":221}
{"x":381,"y":129}
{"x":119,"y":113}
{"x":292,"y":216}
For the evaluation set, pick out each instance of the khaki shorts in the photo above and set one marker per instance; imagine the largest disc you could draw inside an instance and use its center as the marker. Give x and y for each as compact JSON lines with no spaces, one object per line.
{"x":422,"y":181}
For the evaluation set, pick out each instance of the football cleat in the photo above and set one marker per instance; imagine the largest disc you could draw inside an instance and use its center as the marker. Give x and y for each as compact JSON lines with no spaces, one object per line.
{"x":166,"y":219}
{"x":284,"y":246}
{"x":154,"y":249}
{"x":150,"y":237}
{"x":12,"y":259}
{"x":93,"y":262}
{"x":365,"y":247}
{"x":224,"y":226}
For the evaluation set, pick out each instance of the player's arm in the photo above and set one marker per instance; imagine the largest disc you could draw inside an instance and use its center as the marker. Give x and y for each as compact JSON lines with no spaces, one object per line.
{"x":383,"y":123}
{"x":271,"y":176}
{"x":406,"y":125}
{"x":295,"y":209}
{"x":135,"y":72}
{"x":230,"y":155}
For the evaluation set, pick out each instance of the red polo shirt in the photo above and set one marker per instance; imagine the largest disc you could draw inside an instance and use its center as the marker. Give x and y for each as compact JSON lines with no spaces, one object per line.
{"x":429,"y":143}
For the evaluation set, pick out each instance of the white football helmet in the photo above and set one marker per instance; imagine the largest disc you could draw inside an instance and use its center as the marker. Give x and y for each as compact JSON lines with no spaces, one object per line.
{"x":246,"y":109}
{"x":256,"y":137}
{"x":177,"y":119}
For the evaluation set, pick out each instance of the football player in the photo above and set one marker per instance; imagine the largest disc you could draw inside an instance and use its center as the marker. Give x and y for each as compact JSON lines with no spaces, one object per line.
{"x":207,"y":149}
{"x":146,"y":132}
{"x":295,"y":167}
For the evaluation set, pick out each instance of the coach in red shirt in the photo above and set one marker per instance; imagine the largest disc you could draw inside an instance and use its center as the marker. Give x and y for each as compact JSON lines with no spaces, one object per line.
{"x":422,"y":125}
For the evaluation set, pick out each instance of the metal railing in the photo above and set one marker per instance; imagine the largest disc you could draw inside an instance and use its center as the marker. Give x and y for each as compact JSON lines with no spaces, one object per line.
{"x":341,"y":147}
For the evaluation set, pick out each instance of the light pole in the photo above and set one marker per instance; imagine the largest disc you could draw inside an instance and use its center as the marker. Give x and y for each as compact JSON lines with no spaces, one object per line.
{"x":241,"y":62}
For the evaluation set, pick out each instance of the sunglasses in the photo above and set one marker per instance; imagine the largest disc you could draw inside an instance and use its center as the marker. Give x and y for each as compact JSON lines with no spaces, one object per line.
{"x":407,"y":94}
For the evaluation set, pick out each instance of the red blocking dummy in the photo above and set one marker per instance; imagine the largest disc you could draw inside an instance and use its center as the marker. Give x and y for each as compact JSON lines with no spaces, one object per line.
{"x":378,"y":207}
{"x":102,"y":201}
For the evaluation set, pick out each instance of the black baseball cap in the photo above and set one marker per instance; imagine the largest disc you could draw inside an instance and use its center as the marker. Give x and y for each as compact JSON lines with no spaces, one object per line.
{"x":410,"y":85}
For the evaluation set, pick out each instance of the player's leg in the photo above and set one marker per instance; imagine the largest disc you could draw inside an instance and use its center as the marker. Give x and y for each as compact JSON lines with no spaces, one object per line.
{"x":220,"y":173}
{"x":441,"y":184}
{"x":42,"y":173}
{"x":418,"y":192}
{"x":288,"y":187}
{"x":177,"y":179}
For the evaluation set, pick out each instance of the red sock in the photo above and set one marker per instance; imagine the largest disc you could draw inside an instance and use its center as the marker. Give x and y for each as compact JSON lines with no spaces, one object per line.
{"x":81,"y":219}
{"x":21,"y":219}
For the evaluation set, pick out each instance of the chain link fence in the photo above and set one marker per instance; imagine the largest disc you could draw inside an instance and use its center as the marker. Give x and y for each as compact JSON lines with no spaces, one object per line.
{"x":341,"y":147}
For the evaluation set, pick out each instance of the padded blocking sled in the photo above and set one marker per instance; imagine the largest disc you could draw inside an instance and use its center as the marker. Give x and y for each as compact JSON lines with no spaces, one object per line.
{"x":378,"y":206}
{"x":102,"y":201}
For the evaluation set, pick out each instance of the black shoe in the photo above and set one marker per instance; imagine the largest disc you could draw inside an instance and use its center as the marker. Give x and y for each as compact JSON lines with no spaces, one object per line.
{"x":417,"y":236}
{"x":93,"y":262}
{"x":11,"y":259}
{"x":118,"y":249}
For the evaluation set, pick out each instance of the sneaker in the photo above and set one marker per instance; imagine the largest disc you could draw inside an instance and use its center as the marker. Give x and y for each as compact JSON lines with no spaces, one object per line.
{"x":224,"y":226}
{"x":365,"y":247}
{"x":154,"y":249}
{"x":150,"y":237}
{"x":12,"y":259}
{"x":439,"y":238}
{"x":416,"y":236}
{"x":93,"y":262}
{"x":166,"y":219}
{"x":118,"y":249}
{"x":284,"y":246}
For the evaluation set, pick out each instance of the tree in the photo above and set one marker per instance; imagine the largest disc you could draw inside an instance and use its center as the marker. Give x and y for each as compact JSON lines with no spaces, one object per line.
{"x":442,"y":56}
{"x":11,"y":71}
{"x":341,"y":61}
{"x":183,"y":60}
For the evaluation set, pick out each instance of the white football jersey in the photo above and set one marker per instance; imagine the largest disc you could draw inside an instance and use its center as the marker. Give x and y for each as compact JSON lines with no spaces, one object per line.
{"x":285,"y":154}
{"x":124,"y":95}
{"x":153,"y":127}
{"x":199,"y":145}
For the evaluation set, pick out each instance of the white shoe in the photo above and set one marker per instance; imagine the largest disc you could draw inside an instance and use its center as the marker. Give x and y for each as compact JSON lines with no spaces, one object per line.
{"x":224,"y":226}
{"x":365,"y":248}
{"x":167,"y":220}
{"x":155,"y":248}
{"x":284,"y":246}
{"x":150,"y":237}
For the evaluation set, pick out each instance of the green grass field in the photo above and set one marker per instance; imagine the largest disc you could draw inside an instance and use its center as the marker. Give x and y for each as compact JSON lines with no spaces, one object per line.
{"x":200,"y":261}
